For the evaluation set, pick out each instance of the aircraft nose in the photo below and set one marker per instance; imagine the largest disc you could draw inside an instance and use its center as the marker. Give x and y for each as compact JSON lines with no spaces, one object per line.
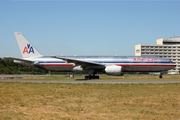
{"x":174,"y":64}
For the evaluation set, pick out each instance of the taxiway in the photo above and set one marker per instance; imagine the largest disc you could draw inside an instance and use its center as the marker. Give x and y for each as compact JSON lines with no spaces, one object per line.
{"x":161,"y":81}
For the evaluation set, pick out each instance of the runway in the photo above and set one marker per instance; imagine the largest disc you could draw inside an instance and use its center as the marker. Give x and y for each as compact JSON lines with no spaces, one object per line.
{"x":161,"y":81}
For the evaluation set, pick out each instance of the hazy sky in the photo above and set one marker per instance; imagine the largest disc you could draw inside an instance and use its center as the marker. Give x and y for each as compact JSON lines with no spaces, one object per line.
{"x":86,"y":27}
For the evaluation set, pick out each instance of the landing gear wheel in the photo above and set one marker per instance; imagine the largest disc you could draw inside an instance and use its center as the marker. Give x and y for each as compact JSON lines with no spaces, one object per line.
{"x":86,"y":77}
{"x":97,"y":77}
{"x":160,"y":76}
{"x":91,"y":77}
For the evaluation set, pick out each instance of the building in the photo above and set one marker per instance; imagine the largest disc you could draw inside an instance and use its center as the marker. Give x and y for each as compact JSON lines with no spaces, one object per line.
{"x":164,"y":47}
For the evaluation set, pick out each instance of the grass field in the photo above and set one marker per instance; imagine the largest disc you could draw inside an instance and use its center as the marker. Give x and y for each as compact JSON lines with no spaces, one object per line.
{"x":33,"y":101}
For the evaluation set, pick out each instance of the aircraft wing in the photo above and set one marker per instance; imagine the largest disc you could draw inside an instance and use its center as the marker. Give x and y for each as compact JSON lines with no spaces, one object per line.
{"x":84,"y":64}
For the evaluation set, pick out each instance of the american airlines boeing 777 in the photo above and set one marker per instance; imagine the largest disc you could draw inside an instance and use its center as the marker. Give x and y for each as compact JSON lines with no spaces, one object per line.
{"x":111,"y":65}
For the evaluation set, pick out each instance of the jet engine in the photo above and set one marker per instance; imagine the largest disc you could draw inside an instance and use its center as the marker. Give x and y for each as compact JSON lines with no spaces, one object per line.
{"x":114,"y":70}
{"x":77,"y":69}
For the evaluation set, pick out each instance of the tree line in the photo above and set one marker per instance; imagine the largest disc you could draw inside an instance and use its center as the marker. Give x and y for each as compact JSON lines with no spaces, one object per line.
{"x":7,"y":66}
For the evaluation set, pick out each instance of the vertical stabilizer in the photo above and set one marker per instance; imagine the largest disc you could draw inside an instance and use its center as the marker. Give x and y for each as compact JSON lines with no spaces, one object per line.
{"x":26,"y":48}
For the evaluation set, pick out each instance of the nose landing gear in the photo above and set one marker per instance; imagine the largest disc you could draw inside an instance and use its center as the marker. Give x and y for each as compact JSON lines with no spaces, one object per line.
{"x":161,"y":75}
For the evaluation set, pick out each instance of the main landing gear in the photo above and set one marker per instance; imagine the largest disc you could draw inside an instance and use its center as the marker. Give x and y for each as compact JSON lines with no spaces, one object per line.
{"x":91,"y":75}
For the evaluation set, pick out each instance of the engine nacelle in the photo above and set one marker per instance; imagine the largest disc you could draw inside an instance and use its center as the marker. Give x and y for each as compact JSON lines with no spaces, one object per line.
{"x":77,"y":69}
{"x":114,"y":70}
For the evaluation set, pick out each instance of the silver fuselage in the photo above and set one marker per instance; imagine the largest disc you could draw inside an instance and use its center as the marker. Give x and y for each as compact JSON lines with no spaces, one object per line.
{"x":129,"y":63}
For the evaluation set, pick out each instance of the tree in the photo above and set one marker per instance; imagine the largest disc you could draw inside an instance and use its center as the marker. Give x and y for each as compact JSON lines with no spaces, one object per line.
{"x":7,"y":66}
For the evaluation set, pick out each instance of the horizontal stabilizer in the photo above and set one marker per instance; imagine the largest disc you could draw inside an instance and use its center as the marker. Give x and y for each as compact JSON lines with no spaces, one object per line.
{"x":19,"y":59}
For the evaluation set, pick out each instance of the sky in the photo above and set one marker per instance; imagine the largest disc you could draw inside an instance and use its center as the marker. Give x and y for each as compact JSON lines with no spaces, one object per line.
{"x":89,"y":27}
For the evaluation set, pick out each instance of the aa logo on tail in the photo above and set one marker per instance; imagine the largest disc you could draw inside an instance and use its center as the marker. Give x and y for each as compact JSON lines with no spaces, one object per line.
{"x":28,"y":49}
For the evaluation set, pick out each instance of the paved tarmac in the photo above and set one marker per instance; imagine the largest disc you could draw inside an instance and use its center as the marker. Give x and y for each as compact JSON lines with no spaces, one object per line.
{"x":160,"y":81}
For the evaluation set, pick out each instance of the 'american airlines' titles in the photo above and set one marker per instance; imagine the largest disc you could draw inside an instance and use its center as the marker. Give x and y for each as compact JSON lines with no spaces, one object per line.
{"x":144,"y":59}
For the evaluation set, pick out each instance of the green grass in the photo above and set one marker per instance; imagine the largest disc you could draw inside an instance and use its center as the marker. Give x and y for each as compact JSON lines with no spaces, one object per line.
{"x":20,"y":101}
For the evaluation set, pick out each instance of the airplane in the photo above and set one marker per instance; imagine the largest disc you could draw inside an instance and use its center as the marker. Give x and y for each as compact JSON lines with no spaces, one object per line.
{"x":111,"y":65}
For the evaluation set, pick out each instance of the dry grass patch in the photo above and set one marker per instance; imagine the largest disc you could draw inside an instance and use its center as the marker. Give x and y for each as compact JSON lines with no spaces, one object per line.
{"x":21,"y":101}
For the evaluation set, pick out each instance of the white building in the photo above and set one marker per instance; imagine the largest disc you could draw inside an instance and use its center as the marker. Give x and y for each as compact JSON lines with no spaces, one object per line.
{"x":165,"y":47}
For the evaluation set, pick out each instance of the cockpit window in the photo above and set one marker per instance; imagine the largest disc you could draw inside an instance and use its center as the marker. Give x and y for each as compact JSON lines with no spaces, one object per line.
{"x":171,"y":61}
